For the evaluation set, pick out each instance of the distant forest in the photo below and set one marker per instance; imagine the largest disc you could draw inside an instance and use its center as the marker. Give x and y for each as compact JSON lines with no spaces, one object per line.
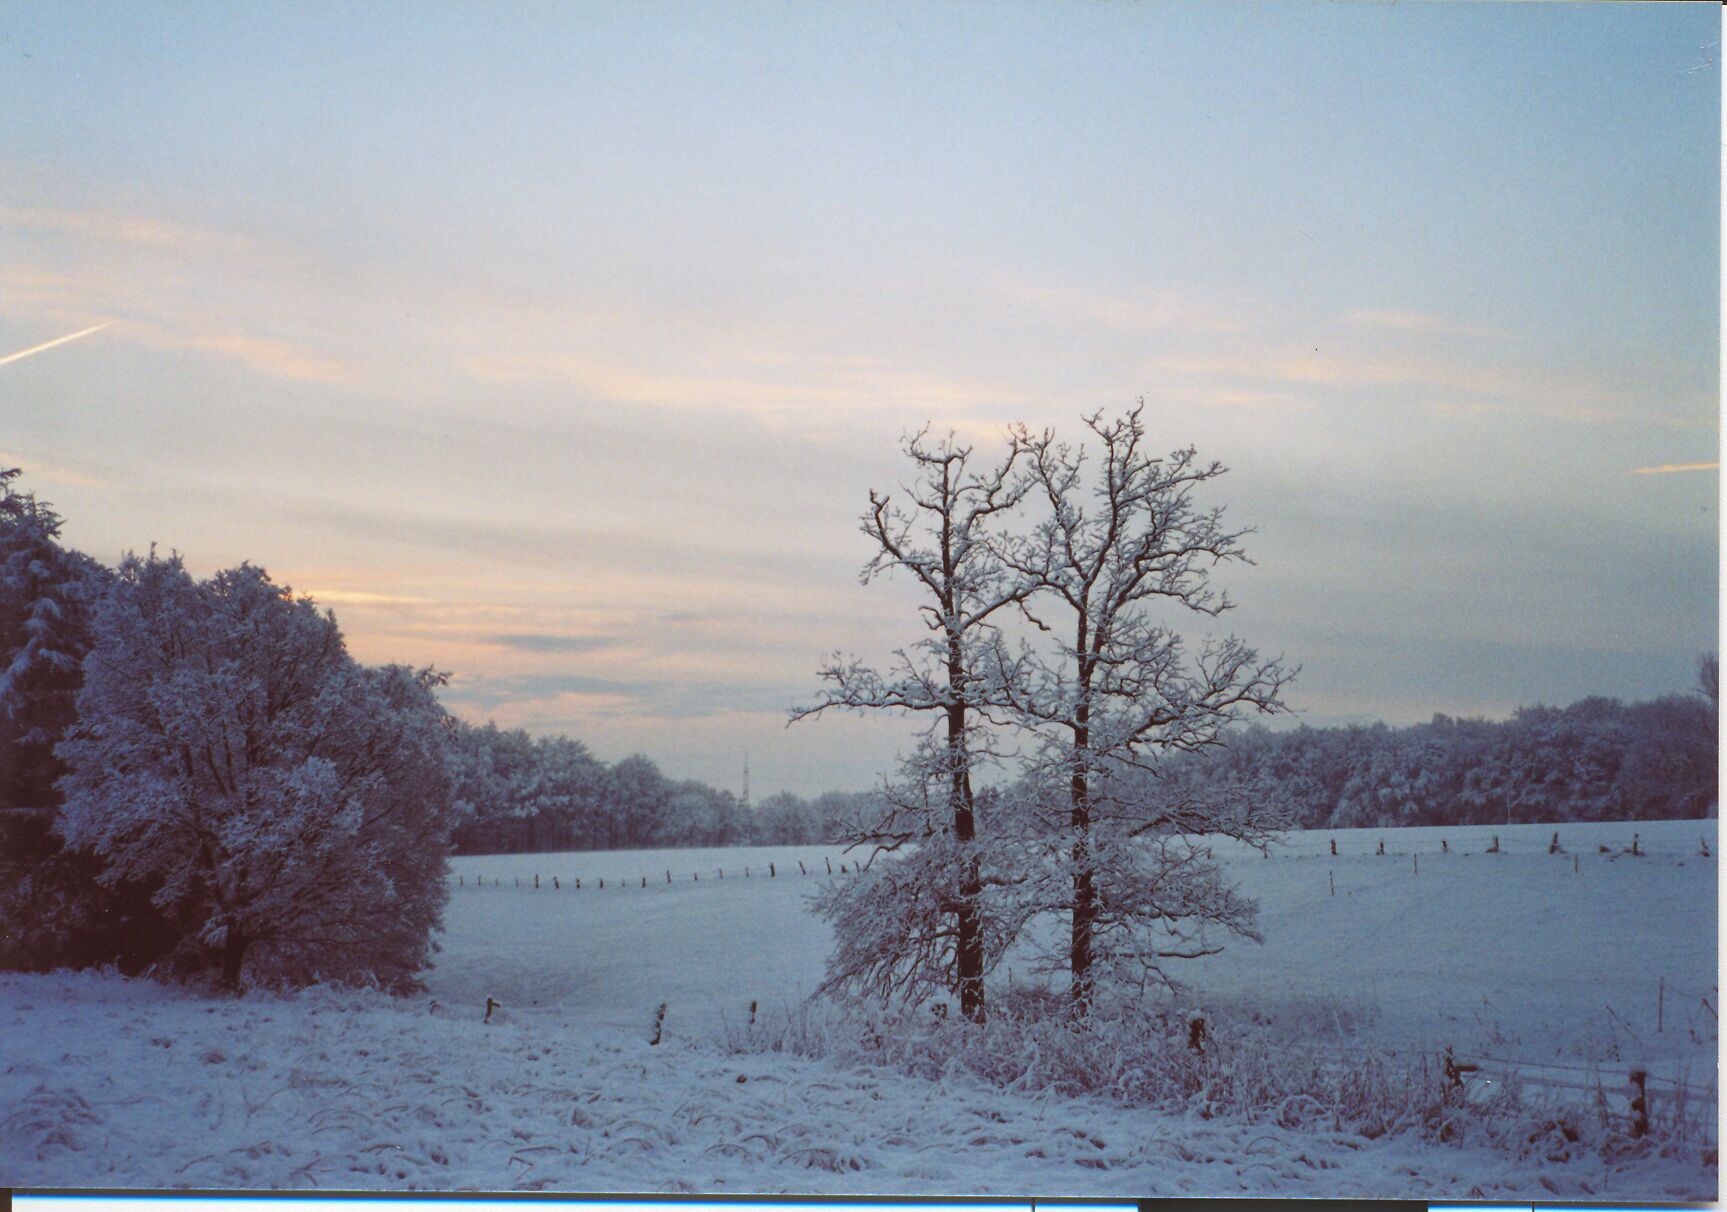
{"x":1596,"y":760}
{"x":524,"y":794}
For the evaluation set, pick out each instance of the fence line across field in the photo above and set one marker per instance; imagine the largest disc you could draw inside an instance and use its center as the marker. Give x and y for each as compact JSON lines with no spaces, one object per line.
{"x":559,"y":881}
{"x":1635,"y":849}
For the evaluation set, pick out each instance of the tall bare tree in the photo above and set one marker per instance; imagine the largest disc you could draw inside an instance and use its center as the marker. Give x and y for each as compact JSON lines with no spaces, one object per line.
{"x":1111,"y":687}
{"x":918,"y":922}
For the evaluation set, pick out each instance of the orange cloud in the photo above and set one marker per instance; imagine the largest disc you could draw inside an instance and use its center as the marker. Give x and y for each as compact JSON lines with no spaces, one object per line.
{"x":111,"y":227}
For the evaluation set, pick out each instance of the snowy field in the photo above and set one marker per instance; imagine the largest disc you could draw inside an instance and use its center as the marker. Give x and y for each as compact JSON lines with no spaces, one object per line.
{"x":1544,"y":960}
{"x":1519,"y":954}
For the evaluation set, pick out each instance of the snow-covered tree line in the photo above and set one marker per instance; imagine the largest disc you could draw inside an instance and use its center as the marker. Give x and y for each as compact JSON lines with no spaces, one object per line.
{"x":1050,"y":586}
{"x":1598,"y":759}
{"x":525,"y":794}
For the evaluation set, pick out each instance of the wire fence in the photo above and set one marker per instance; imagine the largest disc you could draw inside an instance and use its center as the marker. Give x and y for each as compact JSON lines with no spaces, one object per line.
{"x":561,"y":881}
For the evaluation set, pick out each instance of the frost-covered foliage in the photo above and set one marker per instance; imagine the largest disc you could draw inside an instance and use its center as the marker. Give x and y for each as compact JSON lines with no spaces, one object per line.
{"x":1101,"y":560}
{"x":1312,"y":1074}
{"x":47,"y":594}
{"x":290,"y":806}
{"x":1122,"y":556}
{"x":521,"y":793}
{"x":920,"y":922}
{"x":52,"y":913}
{"x":896,"y":929}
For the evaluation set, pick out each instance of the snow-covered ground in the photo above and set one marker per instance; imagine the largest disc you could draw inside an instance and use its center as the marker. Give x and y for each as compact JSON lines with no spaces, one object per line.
{"x":1518,"y":954}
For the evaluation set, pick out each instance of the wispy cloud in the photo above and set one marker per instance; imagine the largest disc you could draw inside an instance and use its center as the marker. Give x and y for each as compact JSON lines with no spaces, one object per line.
{"x":113,"y":227}
{"x":272,"y":357}
{"x":57,"y":472}
{"x":548,"y":642}
{"x":1135,"y":310}
{"x":1421,"y":322}
{"x":1666,"y":469}
{"x":355,"y":597}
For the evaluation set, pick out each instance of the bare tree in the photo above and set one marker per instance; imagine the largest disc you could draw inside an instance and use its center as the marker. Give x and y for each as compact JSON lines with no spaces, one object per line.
{"x":905,"y":929}
{"x":1113,"y":688}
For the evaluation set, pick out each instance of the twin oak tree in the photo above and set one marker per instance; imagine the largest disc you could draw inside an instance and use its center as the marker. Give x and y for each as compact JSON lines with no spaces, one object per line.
{"x":1042,"y":582}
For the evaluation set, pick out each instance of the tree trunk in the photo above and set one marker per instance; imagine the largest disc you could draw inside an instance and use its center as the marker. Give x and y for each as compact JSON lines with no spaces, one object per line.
{"x":1084,"y":903}
{"x":1084,"y":881}
{"x":233,"y":958}
{"x":968,"y":948}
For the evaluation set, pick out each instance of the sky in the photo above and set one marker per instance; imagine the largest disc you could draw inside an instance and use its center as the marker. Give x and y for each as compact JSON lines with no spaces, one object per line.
{"x":559,"y":346}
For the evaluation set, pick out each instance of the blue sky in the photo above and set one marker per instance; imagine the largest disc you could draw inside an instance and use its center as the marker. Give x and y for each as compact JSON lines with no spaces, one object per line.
{"x":560,"y":345}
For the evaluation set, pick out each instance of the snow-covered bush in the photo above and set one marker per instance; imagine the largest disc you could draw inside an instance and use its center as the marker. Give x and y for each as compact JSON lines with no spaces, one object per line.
{"x":290,"y":806}
{"x":52,"y":911}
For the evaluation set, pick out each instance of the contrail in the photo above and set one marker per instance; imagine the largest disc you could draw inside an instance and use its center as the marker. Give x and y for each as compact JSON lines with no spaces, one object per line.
{"x":1669,"y":468}
{"x":36,"y":349}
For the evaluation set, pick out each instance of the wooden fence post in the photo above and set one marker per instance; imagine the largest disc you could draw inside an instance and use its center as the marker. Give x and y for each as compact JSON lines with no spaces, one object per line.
{"x":1333,"y":876}
{"x":1639,"y":1103}
{"x":801,"y":870}
{"x":659,"y":1022}
{"x":772,"y":873}
{"x":536,"y":881}
{"x":830,"y":864}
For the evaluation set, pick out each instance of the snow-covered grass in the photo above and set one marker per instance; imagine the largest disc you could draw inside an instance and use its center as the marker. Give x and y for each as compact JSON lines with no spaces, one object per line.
{"x":116,"y":1083}
{"x":1517,"y":954}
